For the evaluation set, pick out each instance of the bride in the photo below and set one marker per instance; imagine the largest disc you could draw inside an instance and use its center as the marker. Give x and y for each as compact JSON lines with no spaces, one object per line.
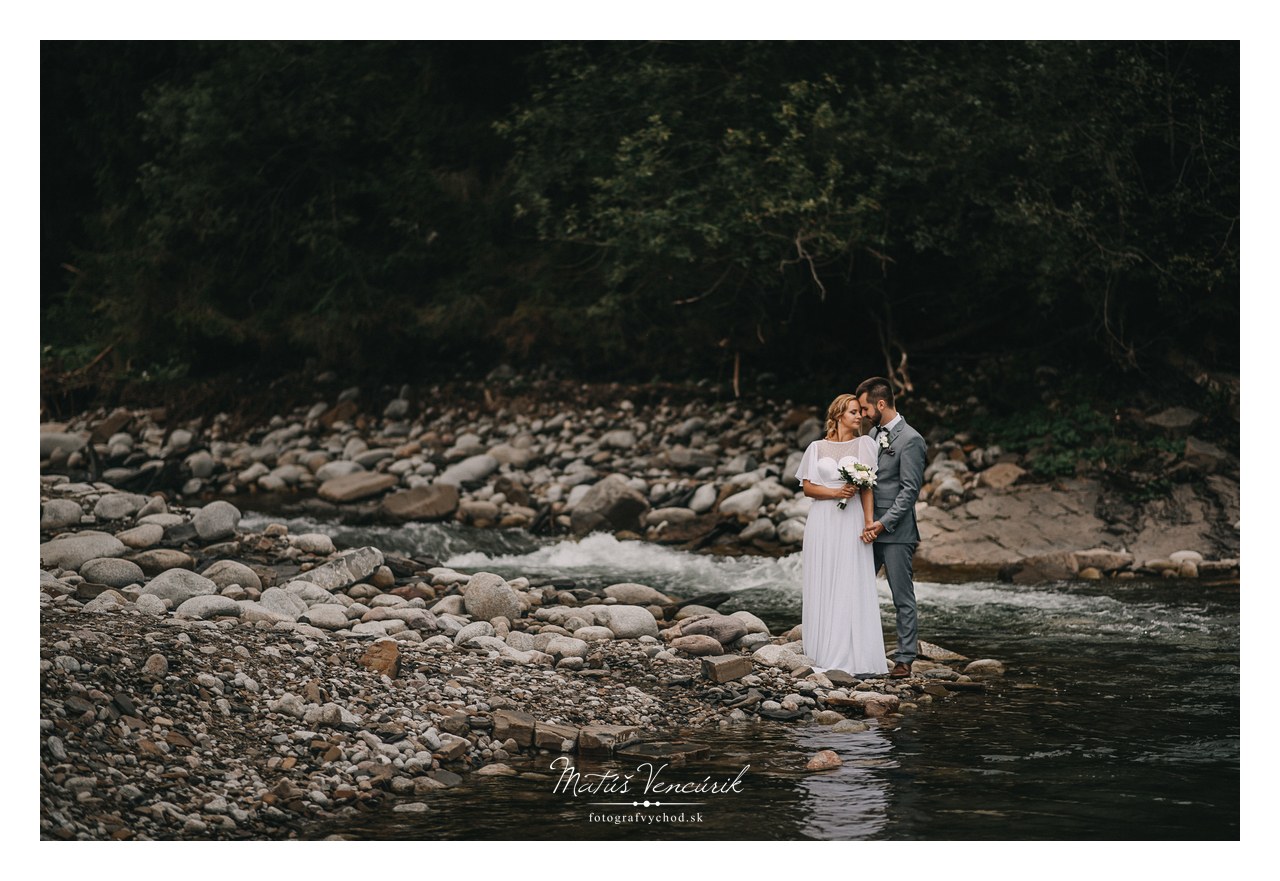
{"x":840,"y":620}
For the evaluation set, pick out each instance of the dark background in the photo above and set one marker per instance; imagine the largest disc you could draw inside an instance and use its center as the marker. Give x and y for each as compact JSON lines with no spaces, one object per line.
{"x":970,"y":217}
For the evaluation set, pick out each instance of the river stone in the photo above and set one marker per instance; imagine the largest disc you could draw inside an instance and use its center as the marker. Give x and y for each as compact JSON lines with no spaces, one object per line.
{"x":209,"y":606}
{"x":1175,"y":421}
{"x":118,"y":506}
{"x":107,"y":601}
{"x":436,"y":501}
{"x":151,"y":605}
{"x":473,"y":630}
{"x":200,"y":464}
{"x":791,"y":531}
{"x":722,"y":628}
{"x":631,"y":594}
{"x":592,"y":633}
{"x":610,"y":505}
{"x":849,"y":726}
{"x":781,"y":656}
{"x":704,"y":498}
{"x":693,"y":610}
{"x":74,"y":551}
{"x":225,"y":573}
{"x":112,"y":572}
{"x":1041,"y":568}
{"x":508,"y":454}
{"x":341,"y":468}
{"x":141,"y":537}
{"x":313,"y":543}
{"x":163,"y":519}
{"x":631,"y":622}
{"x":53,"y":441}
{"x":382,"y":657}
{"x":698,"y":644}
{"x":824,"y":760}
{"x":1001,"y":476}
{"x":744,"y":504}
{"x":354,"y":487}
{"x":1186,"y":556}
{"x":349,"y":568}
{"x":753,"y":623}
{"x":985,"y":666}
{"x":283,"y":603}
{"x":157,"y":560}
{"x":488,"y":596}
{"x":1205,"y":455}
{"x":762,"y":528}
{"x":566,"y":647}
{"x":252,"y":611}
{"x":931,"y":652}
{"x":1103,"y":559}
{"x":875,"y":703}
{"x":59,"y":514}
{"x":326,"y":616}
{"x":216,"y":520}
{"x":179,"y":585}
{"x":469,"y":470}
{"x":311,"y":594}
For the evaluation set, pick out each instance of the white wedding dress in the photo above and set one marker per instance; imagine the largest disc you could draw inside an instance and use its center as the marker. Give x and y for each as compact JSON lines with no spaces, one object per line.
{"x":841,"y":614}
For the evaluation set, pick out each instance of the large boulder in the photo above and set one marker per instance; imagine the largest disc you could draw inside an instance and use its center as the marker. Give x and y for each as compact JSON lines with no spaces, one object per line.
{"x":216,"y":520}
{"x":179,"y":585}
{"x":437,"y":501}
{"x":610,"y":505}
{"x":74,"y":551}
{"x":488,"y":596}
{"x":280,"y":602}
{"x":745,"y":504}
{"x":59,"y":514}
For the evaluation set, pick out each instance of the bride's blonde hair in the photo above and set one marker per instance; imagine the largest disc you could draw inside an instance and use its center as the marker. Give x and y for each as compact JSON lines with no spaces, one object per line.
{"x":837,"y":408}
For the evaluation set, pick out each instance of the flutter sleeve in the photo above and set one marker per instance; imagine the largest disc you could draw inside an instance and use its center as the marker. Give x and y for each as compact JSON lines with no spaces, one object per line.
{"x":867,"y":451}
{"x":808,"y":469}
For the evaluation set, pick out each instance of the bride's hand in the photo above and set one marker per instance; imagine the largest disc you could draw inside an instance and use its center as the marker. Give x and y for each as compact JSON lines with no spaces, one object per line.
{"x":846,"y":492}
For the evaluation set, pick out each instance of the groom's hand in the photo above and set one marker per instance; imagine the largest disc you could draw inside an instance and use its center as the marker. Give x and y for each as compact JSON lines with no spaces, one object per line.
{"x":872,"y":532}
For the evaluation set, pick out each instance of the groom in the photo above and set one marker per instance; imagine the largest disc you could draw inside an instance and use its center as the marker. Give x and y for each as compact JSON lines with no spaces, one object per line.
{"x":899,"y":475}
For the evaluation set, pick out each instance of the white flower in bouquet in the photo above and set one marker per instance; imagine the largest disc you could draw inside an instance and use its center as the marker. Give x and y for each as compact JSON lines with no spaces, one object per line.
{"x":859,"y":475}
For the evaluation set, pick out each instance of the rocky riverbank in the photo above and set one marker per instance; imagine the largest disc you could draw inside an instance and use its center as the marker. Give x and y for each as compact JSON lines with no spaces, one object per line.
{"x":202,"y":681}
{"x":668,"y":467}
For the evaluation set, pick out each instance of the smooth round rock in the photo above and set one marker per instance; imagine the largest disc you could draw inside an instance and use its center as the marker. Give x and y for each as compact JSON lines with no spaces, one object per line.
{"x":179,"y":585}
{"x":141,"y":537}
{"x":112,"y":572}
{"x":210,"y":606}
{"x":225,"y":573}
{"x":216,"y":520}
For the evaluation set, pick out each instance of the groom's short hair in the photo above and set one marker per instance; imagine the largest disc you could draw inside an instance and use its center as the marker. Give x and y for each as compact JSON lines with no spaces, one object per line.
{"x":877,"y":388}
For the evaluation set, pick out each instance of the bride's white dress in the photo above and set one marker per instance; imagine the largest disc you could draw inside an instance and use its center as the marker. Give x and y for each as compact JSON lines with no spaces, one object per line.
{"x":841,"y":613}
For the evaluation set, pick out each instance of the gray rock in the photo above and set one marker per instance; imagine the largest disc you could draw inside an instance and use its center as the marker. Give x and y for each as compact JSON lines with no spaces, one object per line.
{"x":349,"y":568}
{"x":397,"y":409}
{"x":107,"y":601}
{"x":488,"y":596}
{"x":179,"y":585}
{"x":618,"y":439}
{"x":141,"y":537}
{"x":58,"y":441}
{"x":744,"y":504}
{"x":283,"y":603}
{"x":631,"y":622}
{"x":313,"y":543}
{"x":1176,"y":421}
{"x":74,"y":551}
{"x":225,"y":573}
{"x":326,"y":616}
{"x":311,"y":594}
{"x":704,"y":498}
{"x":252,"y":611}
{"x":370,"y":458}
{"x":117,"y":506}
{"x":698,"y":645}
{"x":632,"y":594}
{"x":566,"y":647}
{"x":210,"y":606}
{"x":178,"y":441}
{"x":437,"y":501}
{"x":471,"y":469}
{"x":216,"y":520}
{"x":59,"y":514}
{"x":610,"y":505}
{"x":200,"y":464}
{"x":791,"y":531}
{"x":507,"y":454}
{"x":723,"y":628}
{"x":340,"y":468}
{"x":762,"y":528}
{"x":473,"y":630}
{"x":1103,"y":559}
{"x":753,"y":623}
{"x":1205,"y":455}
{"x":150,"y":604}
{"x":154,"y":505}
{"x":112,"y":572}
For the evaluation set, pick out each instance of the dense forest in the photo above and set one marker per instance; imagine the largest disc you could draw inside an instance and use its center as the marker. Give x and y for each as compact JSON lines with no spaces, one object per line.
{"x":639,"y":209}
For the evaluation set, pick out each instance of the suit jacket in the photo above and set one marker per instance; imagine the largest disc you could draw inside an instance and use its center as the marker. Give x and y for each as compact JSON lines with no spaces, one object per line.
{"x":899,"y":477}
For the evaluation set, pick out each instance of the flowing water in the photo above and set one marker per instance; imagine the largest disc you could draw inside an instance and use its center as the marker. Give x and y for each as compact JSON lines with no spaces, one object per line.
{"x":1119,"y":717}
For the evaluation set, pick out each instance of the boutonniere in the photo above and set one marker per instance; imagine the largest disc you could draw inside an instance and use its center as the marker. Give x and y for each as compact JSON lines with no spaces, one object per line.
{"x":883,"y":440}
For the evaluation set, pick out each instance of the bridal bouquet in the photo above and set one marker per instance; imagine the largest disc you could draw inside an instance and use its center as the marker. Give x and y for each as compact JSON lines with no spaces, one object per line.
{"x":859,"y":475}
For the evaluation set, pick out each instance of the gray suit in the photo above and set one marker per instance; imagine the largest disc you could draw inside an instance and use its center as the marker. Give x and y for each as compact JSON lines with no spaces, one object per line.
{"x":899,"y":476}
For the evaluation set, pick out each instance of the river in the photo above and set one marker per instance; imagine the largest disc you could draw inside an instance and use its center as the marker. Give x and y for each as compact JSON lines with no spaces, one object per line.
{"x":1119,"y":716}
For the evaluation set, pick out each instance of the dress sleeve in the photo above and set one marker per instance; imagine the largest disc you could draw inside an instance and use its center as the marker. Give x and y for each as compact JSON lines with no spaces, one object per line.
{"x":808,"y":469}
{"x":867,"y":452}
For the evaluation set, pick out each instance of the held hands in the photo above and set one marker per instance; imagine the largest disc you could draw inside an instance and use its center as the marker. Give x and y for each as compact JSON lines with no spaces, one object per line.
{"x":872,"y":531}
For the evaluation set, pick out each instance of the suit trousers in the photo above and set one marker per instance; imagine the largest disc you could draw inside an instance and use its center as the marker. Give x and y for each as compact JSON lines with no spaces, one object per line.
{"x":896,"y":560}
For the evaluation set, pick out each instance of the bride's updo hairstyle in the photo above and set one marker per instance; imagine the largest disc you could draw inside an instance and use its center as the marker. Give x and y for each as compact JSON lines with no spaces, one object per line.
{"x":838,"y":406}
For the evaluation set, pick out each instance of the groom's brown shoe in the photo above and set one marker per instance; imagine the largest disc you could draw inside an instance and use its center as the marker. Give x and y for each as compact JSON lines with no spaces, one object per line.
{"x":900,"y":671}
